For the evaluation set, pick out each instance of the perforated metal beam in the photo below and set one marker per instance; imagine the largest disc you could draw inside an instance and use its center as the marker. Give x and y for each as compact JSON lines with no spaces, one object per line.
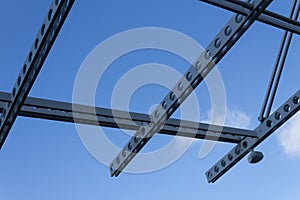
{"x":266,"y":17}
{"x":38,"y":53}
{"x":270,"y":125}
{"x":62,"y":111}
{"x":228,"y":36}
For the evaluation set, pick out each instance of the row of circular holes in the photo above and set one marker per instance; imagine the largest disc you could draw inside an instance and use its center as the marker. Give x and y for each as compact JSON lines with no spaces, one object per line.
{"x":286,"y":108}
{"x":36,"y":43}
{"x":237,"y":151}
{"x":218,"y":42}
{"x":35,"y":46}
{"x":42,"y":33}
{"x":48,"y":109}
{"x":189,"y":77}
{"x":180,"y":87}
{"x":245,"y":143}
{"x":140,"y":134}
{"x":31,"y":54}
{"x":227,"y":32}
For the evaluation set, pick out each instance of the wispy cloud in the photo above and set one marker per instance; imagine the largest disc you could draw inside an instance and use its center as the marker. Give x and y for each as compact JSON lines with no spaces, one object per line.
{"x":237,"y":118}
{"x":230,"y":117}
{"x":289,"y":137}
{"x":233,"y":117}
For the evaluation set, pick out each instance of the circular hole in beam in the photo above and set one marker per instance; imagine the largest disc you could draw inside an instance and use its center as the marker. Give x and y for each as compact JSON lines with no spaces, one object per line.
{"x":223,"y":163}
{"x":30,"y":57}
{"x":198,"y":65}
{"x":269,"y":123}
{"x":296,"y":100}
{"x":217,"y":42}
{"x":278,"y":115}
{"x":216,"y":169}
{"x":172,"y":96}
{"x":24,"y":69}
{"x":165,"y":105}
{"x":36,"y":43}
{"x":238,"y":18}
{"x":189,"y":76}
{"x":228,"y":30}
{"x":287,"y":108}
{"x":129,"y":146}
{"x":49,"y":14}
{"x":230,"y":157}
{"x":43,"y":29}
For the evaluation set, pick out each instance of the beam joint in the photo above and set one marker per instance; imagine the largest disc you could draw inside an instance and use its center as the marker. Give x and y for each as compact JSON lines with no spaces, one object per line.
{"x":265,"y":129}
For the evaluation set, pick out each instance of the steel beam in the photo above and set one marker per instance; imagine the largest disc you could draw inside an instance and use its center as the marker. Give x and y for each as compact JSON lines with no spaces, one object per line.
{"x":278,"y":67}
{"x":266,"y":17}
{"x":228,"y":36}
{"x":269,"y":126}
{"x":62,"y":111}
{"x":38,"y":53}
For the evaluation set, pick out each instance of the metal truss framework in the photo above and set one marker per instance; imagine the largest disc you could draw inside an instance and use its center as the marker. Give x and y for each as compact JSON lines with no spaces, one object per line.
{"x":159,"y":121}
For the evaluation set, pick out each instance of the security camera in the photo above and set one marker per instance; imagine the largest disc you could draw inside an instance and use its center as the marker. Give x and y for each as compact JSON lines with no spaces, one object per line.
{"x":255,"y":157}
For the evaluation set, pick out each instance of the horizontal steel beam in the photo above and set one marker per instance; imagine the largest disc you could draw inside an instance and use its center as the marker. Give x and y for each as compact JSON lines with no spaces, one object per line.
{"x":33,"y":63}
{"x":267,"y":17}
{"x":265,"y":129}
{"x":62,"y":111}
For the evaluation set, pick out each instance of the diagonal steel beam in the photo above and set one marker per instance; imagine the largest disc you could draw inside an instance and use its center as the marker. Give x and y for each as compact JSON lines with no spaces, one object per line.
{"x":266,"y":17}
{"x":62,"y":111}
{"x":265,"y":129}
{"x":34,"y":62}
{"x":217,"y":49}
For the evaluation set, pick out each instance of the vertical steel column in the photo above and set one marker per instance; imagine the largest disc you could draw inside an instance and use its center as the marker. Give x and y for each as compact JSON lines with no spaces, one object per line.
{"x":228,"y":36}
{"x":34,"y":62}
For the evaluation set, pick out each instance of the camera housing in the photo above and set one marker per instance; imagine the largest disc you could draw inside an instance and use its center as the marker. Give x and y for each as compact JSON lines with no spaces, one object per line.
{"x":255,"y":157}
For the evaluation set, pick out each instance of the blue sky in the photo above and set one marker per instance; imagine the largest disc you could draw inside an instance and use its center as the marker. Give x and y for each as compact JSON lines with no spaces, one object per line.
{"x":46,"y":160}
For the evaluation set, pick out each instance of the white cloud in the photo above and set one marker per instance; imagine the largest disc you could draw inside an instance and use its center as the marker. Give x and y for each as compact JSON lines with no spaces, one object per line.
{"x":237,"y":118}
{"x":289,"y":137}
{"x":233,"y":117}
